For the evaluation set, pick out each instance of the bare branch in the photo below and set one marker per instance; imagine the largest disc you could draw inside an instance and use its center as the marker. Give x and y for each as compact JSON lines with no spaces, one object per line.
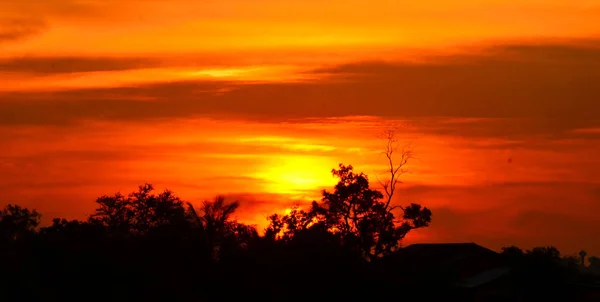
{"x":395,"y":168}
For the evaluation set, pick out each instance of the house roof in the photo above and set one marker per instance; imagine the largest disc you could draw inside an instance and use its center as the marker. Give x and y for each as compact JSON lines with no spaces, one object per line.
{"x":456,"y":249}
{"x":459,"y":260}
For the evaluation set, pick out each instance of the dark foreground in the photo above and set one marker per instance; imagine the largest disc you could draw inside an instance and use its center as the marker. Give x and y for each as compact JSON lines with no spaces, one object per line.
{"x":55,"y":268}
{"x":156,"y":247}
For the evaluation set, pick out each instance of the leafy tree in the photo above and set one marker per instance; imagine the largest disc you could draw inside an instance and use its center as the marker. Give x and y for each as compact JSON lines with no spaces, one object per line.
{"x":141,"y":212}
{"x":113,"y":212}
{"x":154,"y":211}
{"x":545,"y":264}
{"x":17,"y":222}
{"x":285,"y":227}
{"x":64,"y":229}
{"x":544,"y":253}
{"x":357,"y":214}
{"x":594,"y":264}
{"x":513,"y":254}
{"x":362,"y":218}
{"x":239,"y":233}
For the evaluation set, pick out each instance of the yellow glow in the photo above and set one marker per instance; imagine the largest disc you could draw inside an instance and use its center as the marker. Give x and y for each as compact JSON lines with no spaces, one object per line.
{"x":296,"y":174}
{"x":287,"y":143}
{"x":220,"y":73}
{"x":235,"y":27}
{"x":101,"y":79}
{"x":266,"y":139}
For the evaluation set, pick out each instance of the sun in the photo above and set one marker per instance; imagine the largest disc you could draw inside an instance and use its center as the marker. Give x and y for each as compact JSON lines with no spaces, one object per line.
{"x":296,"y":174}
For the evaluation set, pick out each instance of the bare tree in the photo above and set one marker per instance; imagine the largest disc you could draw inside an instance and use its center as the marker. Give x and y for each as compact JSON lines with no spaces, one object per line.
{"x":397,"y":159}
{"x":413,"y":216}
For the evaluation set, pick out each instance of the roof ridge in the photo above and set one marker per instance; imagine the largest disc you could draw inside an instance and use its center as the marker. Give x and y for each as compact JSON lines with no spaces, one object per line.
{"x":444,"y":243}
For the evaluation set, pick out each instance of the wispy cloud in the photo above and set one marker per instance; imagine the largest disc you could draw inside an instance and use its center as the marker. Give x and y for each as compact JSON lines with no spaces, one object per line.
{"x":57,"y":65}
{"x":546,"y":81}
{"x":16,"y":29}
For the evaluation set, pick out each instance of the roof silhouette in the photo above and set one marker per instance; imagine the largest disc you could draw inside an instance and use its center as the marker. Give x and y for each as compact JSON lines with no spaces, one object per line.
{"x":446,"y":252}
{"x":458,"y":260}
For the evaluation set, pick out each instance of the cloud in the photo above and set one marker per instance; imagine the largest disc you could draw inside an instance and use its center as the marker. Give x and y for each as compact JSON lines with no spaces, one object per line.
{"x":71,"y":10}
{"x":518,"y":95}
{"x":544,"y":81}
{"x":15,"y":29}
{"x":117,"y":104}
{"x":58,"y":65}
{"x":509,"y":132}
{"x":555,"y":84}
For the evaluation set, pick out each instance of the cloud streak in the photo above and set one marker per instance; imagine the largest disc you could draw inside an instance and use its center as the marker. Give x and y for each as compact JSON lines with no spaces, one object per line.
{"x":16,"y":29}
{"x":58,"y":65}
{"x":555,"y":83}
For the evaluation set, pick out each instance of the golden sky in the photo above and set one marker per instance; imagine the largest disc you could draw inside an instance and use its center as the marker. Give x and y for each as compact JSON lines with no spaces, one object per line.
{"x":259,"y":100}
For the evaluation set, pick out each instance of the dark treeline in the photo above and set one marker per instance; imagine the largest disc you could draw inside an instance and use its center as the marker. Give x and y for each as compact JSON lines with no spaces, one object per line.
{"x":154,"y":246}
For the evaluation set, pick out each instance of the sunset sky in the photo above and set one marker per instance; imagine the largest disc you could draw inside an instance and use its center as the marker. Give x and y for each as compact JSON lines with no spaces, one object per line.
{"x":259,"y":100}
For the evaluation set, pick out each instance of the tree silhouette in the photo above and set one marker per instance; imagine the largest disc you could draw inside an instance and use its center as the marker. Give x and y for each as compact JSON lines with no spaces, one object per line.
{"x":214,"y":215}
{"x":395,"y":169}
{"x":285,"y":227}
{"x":17,"y":223}
{"x":544,"y":253}
{"x":154,"y":211}
{"x":141,"y":212}
{"x":154,"y":246}
{"x":582,"y":255}
{"x":541,"y":273}
{"x":218,"y":229}
{"x":359,"y":215}
{"x":113,"y":212}
{"x":594,"y":264}
{"x":397,"y":158}
{"x":64,"y":229}
{"x":356,"y":214}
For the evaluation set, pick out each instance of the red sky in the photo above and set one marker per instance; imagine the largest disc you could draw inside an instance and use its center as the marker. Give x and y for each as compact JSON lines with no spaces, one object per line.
{"x":259,"y":100}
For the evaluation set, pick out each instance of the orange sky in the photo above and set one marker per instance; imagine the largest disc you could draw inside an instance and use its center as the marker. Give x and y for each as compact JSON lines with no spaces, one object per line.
{"x":259,"y":100}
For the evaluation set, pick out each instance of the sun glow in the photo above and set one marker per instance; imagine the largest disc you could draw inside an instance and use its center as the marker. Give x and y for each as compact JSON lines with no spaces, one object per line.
{"x":296,"y":174}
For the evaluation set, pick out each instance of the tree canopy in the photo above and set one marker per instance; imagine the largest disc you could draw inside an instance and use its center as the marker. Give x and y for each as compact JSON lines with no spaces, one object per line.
{"x":356,"y":214}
